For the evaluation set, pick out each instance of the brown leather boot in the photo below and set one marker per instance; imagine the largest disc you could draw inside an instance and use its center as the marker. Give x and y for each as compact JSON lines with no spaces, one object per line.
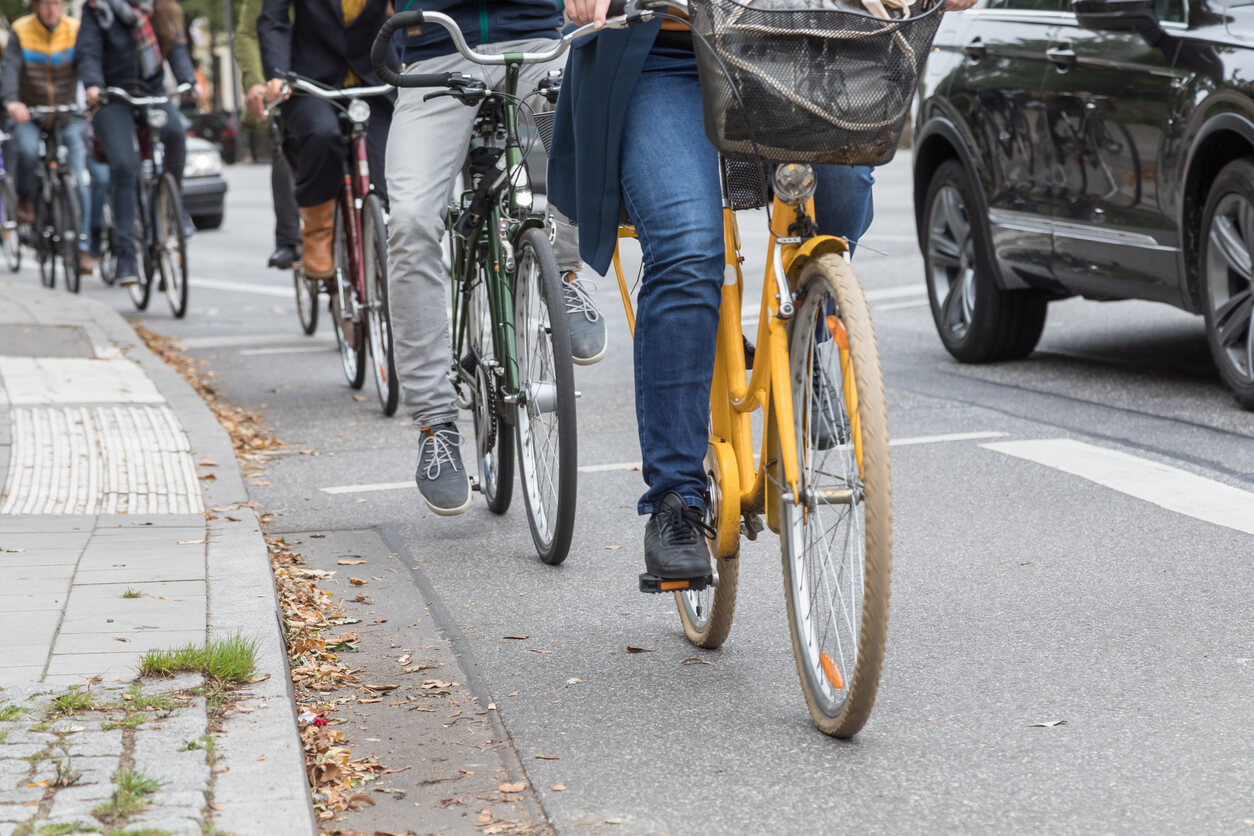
{"x":316,"y":228}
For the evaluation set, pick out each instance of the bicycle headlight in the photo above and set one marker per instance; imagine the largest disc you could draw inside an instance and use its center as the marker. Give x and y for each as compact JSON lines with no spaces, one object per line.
{"x":523,"y":195}
{"x":795,"y":183}
{"x":359,"y":111}
{"x":157,"y":118}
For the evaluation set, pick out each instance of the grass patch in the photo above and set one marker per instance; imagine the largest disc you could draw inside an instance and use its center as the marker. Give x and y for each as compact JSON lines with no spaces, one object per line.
{"x":130,"y":721}
{"x":67,"y":775}
{"x":232,"y":659}
{"x":73,"y":701}
{"x":137,"y":699}
{"x":4,"y":735}
{"x":132,"y":593}
{"x":43,"y":725}
{"x":204,"y":742}
{"x":131,"y":795}
{"x":62,"y":829}
{"x":10,"y":713}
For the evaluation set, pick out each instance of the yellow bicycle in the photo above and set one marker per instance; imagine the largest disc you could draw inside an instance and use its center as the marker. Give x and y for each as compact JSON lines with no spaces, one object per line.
{"x":821,"y":476}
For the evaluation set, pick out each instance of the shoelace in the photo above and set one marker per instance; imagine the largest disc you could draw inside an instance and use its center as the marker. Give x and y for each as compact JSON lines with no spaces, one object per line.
{"x":578,"y":300}
{"x":443,"y":442}
{"x":684,"y":527}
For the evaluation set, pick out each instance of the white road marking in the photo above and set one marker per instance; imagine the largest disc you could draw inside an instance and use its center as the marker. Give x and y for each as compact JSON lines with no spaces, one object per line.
{"x":251,"y":339}
{"x":897,"y":306}
{"x":604,"y":468}
{"x":899,"y":292}
{"x":1162,"y":485}
{"x":377,"y":486}
{"x":295,"y":349}
{"x":287,"y":292}
{"x":936,"y":439}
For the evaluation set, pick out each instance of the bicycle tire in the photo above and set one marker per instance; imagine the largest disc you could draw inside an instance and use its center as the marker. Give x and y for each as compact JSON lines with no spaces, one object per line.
{"x":545,"y":417}
{"x":350,"y":342}
{"x":170,"y":252}
{"x":141,"y":291}
{"x":855,"y":445}
{"x":69,"y":228}
{"x":707,"y":614}
{"x":44,"y":232}
{"x":108,"y":261}
{"x":494,"y":443}
{"x":306,"y":300}
{"x":9,"y":239}
{"x":374,"y":241}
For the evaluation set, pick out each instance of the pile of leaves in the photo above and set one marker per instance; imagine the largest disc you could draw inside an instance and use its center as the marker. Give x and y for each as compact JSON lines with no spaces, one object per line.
{"x":310,"y":614}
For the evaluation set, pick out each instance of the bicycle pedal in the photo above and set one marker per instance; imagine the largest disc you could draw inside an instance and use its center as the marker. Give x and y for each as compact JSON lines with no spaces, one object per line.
{"x":474,"y":484}
{"x":652,"y":583}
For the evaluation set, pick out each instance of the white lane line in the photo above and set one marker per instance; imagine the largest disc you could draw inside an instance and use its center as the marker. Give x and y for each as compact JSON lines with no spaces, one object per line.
{"x":899,"y":292}
{"x":1162,"y":485}
{"x":937,"y":439}
{"x":296,"y":349}
{"x":605,"y":468}
{"x":251,"y":339}
{"x":255,"y":288}
{"x":377,"y":486}
{"x":897,"y":306}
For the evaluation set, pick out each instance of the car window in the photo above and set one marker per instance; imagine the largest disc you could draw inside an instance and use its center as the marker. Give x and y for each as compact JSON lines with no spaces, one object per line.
{"x":1030,"y":5}
{"x":1240,"y":17}
{"x":1171,"y":11}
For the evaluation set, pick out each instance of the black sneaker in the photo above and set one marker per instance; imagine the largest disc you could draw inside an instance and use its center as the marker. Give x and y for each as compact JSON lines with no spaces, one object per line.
{"x":674,"y":540}
{"x":441,"y":478}
{"x":283,"y":257}
{"x":587,"y":326}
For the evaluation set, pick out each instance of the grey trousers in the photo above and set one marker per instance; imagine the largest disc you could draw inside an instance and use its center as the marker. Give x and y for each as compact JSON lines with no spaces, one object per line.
{"x":426,"y":148}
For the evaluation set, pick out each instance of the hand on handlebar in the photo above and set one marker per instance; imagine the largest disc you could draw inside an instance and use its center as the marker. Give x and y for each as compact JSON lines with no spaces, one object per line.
{"x":18,"y":112}
{"x":92,"y":94}
{"x":277,"y":90}
{"x":582,"y":12}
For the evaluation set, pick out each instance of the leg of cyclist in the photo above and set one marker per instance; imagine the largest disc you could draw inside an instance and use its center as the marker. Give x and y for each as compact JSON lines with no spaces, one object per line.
{"x":26,"y":156}
{"x":75,"y":136}
{"x":175,"y":142}
{"x":286,"y":213}
{"x":314,"y":144}
{"x":670,"y":186}
{"x":842,"y":202}
{"x":115,"y":128}
{"x":425,"y":149}
{"x":99,"y":194}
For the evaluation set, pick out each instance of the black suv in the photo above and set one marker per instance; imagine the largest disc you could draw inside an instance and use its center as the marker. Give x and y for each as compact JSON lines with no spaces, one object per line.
{"x":1102,"y":148}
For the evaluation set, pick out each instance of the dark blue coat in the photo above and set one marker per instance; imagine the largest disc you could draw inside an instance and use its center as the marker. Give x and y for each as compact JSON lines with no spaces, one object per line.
{"x":583,"y":183}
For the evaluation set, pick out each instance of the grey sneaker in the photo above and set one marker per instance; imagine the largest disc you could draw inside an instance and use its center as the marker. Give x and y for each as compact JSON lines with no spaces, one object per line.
{"x":587,"y":326}
{"x":441,"y":478}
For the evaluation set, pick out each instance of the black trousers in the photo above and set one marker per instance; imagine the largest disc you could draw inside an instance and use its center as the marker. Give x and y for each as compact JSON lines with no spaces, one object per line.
{"x":315,"y":146}
{"x":282,"y":191}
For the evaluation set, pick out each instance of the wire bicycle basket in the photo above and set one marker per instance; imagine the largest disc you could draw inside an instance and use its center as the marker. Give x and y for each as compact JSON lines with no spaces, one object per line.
{"x":820,"y":80}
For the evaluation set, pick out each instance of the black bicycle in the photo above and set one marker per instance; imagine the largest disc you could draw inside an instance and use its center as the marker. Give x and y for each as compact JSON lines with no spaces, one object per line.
{"x":160,"y":238}
{"x":55,"y":234}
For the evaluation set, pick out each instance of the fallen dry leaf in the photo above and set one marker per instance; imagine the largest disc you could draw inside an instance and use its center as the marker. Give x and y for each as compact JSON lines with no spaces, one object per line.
{"x":208,"y":477}
{"x":695,"y":661}
{"x":207,"y":462}
{"x":519,"y":637}
{"x":546,"y":757}
{"x":350,"y":562}
{"x":1047,"y":724}
{"x":517,"y":786}
{"x":356,"y":581}
{"x":559,"y":787}
{"x":539,"y":650}
{"x":631,"y":648}
{"x":359,"y":398}
{"x":612,"y":548}
{"x":360,"y":799}
{"x":382,"y":687}
{"x":512,"y":694}
{"x":260,"y":483}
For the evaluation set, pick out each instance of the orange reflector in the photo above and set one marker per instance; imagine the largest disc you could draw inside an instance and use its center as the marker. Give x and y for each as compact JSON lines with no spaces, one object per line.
{"x":839,"y":334}
{"x":829,"y":670}
{"x":667,"y":586}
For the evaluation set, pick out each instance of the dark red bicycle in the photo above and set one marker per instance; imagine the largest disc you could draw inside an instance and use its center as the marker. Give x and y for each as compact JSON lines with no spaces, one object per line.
{"x":359,"y":289}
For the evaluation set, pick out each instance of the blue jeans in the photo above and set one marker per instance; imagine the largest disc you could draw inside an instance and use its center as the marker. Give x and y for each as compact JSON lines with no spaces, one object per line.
{"x":670,"y":186}
{"x":26,"y":154}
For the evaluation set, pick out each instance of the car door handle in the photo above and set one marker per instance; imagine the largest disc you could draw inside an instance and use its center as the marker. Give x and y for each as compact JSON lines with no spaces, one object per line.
{"x":975,"y":50}
{"x":1062,"y":55}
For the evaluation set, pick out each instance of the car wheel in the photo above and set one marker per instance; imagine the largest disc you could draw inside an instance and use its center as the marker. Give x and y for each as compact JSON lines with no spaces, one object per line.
{"x":977,"y":321}
{"x":207,"y":221}
{"x":1227,"y":276}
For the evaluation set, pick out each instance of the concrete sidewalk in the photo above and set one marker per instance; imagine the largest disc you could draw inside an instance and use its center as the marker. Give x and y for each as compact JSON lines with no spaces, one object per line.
{"x":106,"y":551}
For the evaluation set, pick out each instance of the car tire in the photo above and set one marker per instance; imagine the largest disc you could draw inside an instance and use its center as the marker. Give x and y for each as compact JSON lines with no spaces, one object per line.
{"x":207,"y":221}
{"x":977,"y":321}
{"x":1225,"y":248}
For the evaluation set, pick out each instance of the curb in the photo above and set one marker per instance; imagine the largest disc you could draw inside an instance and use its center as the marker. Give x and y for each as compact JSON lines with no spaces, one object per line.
{"x":260,"y":783}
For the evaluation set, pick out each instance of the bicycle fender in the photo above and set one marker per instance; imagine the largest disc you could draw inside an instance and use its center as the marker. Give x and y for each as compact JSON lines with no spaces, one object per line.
{"x":720,"y":460}
{"x":816,"y":246}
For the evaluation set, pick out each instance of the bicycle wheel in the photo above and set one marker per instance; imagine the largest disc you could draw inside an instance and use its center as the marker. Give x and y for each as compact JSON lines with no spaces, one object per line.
{"x":68,"y":222}
{"x":306,"y":300}
{"x":141,"y":291}
{"x":707,"y":614}
{"x":171,"y":248}
{"x":44,"y":233}
{"x":348,"y":331}
{"x":545,"y":418}
{"x":374,"y":240}
{"x":108,"y":261}
{"x":494,"y":443}
{"x":836,"y":539}
{"x":9,"y":240}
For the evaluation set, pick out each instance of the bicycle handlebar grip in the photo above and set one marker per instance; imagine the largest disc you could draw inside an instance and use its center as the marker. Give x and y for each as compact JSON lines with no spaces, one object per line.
{"x":383,"y":43}
{"x":617,"y":8}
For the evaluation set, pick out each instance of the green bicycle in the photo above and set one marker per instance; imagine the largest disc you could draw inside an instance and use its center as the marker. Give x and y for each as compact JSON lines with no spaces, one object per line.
{"x":511,"y":345}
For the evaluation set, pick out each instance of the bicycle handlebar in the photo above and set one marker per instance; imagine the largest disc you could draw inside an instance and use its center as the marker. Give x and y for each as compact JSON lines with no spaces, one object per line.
{"x":313,"y":88}
{"x":623,"y":13}
{"x":144,"y":101}
{"x":54,"y":110}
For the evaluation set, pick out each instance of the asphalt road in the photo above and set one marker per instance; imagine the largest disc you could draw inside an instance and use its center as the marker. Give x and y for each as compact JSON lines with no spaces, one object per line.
{"x":1035,"y":580}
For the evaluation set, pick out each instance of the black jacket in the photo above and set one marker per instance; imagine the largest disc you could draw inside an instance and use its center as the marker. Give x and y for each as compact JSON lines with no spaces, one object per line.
{"x":107,"y":58}
{"x":481,"y":22}
{"x":310,"y":38}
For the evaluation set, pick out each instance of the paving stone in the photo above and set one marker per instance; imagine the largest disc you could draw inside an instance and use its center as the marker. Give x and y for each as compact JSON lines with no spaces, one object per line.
{"x":168,"y":823}
{"x":75,"y":725}
{"x":139,"y":641}
{"x":22,"y":795}
{"x":20,"y":750}
{"x":12,"y":773}
{"x":6,"y":828}
{"x":180,"y":682}
{"x":96,"y":744}
{"x":15,"y":813}
{"x":179,"y":798}
{"x":78,"y":802}
{"x":18,"y":736}
{"x":182,"y":727}
{"x":177,"y":771}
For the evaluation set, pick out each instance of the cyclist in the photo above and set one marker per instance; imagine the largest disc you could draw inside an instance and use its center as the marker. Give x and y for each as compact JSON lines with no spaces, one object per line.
{"x":330,"y":43}
{"x":630,"y":131}
{"x":123,"y":43}
{"x":426,"y":149}
{"x":38,"y":69}
{"x":282,"y":191}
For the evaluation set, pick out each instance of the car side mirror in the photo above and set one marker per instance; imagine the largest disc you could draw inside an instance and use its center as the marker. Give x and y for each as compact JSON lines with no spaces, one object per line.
{"x":1116,"y":15}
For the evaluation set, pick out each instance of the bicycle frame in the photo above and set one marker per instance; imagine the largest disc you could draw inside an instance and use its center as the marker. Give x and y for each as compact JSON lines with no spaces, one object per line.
{"x":352,"y":197}
{"x":745,"y":489}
